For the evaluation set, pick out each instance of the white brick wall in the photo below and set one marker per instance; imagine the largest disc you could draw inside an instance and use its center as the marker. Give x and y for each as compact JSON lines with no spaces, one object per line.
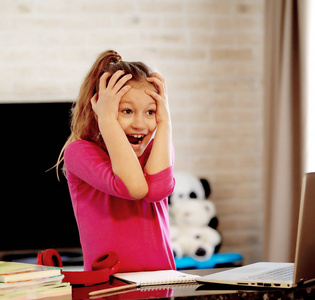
{"x":210,"y":52}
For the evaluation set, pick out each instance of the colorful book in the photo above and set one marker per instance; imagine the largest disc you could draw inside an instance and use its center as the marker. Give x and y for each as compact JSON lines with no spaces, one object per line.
{"x":11,"y":272}
{"x":30,"y":284}
{"x":48,"y":291}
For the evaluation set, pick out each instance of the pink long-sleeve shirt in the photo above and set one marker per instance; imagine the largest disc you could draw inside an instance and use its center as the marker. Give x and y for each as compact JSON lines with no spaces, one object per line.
{"x":109,"y":219}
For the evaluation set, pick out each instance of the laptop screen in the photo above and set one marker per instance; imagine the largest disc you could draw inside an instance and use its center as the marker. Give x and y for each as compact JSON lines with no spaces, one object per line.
{"x":305,"y":247}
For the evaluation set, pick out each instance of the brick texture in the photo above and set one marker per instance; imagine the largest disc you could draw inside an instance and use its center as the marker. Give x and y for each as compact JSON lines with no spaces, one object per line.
{"x":209,"y":51}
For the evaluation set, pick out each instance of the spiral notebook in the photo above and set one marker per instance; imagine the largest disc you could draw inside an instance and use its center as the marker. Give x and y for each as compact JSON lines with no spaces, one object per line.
{"x":156,"y":277}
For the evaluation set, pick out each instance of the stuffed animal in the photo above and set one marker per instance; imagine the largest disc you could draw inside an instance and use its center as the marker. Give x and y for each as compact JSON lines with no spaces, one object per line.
{"x":189,"y":186}
{"x":193,"y":218}
{"x":190,"y":233}
{"x":176,"y":246}
{"x":198,"y":243}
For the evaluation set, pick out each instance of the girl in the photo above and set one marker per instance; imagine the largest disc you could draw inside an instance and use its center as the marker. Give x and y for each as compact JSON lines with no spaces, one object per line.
{"x":119,"y":177}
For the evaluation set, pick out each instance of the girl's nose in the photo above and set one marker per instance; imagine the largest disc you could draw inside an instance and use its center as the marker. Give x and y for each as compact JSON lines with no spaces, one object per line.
{"x":138,"y":122}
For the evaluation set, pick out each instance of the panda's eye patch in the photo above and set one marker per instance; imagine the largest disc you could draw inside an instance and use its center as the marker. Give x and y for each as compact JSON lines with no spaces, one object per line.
{"x":193,"y":195}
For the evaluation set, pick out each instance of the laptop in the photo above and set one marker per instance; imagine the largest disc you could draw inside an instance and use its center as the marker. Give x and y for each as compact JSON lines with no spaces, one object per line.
{"x":281,"y":275}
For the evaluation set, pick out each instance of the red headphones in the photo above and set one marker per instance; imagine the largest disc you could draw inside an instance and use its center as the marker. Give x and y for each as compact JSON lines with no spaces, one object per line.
{"x":103,"y":266}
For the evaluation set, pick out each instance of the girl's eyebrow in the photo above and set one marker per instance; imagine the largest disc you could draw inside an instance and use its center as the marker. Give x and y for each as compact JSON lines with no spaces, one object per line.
{"x":125,"y":101}
{"x":131,"y":102}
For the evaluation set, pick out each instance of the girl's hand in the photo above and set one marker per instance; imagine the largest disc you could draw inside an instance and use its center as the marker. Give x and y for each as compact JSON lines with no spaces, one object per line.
{"x":106,"y":103}
{"x":161,"y":153}
{"x":124,"y":162}
{"x":161,"y":99}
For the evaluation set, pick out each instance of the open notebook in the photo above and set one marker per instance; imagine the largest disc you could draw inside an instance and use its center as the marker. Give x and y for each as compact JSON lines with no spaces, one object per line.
{"x":156,"y":277}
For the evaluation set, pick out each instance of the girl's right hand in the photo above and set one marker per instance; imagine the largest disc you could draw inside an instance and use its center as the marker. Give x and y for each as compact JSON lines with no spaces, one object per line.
{"x":105,"y":104}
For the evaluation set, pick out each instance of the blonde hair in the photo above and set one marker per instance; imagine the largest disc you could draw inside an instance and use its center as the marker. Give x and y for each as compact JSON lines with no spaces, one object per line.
{"x":84,"y":124}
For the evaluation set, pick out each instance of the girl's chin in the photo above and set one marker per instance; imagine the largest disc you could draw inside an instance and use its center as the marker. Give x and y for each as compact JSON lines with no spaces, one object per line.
{"x":138,"y":149}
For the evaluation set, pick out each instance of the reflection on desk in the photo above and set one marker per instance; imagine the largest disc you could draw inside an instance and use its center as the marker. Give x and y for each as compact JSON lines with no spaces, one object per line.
{"x":197,"y":291}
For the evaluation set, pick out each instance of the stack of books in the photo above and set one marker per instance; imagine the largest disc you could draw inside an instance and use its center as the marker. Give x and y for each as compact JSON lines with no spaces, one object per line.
{"x":28,"y":281}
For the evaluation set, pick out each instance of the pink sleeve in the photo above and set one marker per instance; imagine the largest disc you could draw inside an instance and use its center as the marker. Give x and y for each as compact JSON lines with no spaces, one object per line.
{"x":161,"y":185}
{"x":91,"y":164}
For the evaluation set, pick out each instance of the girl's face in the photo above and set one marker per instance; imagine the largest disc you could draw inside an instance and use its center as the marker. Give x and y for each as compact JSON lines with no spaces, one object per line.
{"x":136,"y":115}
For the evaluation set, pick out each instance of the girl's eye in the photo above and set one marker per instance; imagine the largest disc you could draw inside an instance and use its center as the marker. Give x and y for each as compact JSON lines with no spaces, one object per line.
{"x":127,"y":111}
{"x":150,"y":112}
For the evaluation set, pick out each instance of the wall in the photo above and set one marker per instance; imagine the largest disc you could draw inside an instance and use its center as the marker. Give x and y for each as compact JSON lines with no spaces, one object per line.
{"x":210,"y":52}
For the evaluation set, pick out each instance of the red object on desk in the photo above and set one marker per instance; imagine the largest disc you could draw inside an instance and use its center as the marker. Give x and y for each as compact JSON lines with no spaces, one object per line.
{"x":103,"y":266}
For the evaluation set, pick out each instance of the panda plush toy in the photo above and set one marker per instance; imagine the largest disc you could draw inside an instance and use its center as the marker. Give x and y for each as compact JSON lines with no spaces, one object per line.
{"x":189,"y":186}
{"x":193,"y":219}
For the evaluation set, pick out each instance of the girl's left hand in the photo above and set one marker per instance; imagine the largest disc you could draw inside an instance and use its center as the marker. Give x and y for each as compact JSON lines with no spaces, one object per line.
{"x":161,"y":99}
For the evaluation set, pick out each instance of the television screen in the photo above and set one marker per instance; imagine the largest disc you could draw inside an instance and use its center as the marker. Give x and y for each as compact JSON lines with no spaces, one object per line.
{"x":36,"y":211}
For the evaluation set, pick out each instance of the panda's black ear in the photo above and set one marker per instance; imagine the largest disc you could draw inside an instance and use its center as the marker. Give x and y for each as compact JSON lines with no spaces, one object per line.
{"x":169,"y":200}
{"x":206,"y":186}
{"x":214,"y":222}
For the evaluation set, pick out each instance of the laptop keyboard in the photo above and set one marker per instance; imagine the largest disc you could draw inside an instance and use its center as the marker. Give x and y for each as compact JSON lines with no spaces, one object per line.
{"x":278,"y":275}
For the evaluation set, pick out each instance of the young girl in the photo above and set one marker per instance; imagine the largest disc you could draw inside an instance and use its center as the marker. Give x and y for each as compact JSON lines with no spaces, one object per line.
{"x":119,"y":165}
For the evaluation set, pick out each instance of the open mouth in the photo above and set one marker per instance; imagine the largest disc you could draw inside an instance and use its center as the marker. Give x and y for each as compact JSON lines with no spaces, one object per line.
{"x":135,"y":139}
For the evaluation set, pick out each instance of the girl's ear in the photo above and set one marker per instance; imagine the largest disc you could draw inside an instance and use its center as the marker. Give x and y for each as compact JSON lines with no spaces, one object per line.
{"x":93,"y":102}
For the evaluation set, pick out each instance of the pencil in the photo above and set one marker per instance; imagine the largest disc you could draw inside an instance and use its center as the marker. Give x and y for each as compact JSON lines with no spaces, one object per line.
{"x":114,"y":289}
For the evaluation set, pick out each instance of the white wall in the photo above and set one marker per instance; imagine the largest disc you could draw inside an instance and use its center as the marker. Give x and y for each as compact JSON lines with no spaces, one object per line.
{"x":211,"y":53}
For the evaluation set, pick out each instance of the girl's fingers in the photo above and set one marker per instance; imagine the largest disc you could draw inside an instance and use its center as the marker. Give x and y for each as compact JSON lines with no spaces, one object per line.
{"x":114,"y":79}
{"x":162,"y":111}
{"x":159,"y":99}
{"x":116,"y":82}
{"x":121,"y":82}
{"x":154,"y":95}
{"x":103,"y":80}
{"x":123,"y":91}
{"x":157,"y":75}
{"x":159,"y":82}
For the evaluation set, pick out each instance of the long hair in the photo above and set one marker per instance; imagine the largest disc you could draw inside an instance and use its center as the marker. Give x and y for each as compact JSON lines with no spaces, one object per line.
{"x":84,"y":125}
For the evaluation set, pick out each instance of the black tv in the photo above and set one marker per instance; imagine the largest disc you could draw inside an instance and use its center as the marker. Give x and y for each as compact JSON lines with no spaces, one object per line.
{"x":36,"y":211}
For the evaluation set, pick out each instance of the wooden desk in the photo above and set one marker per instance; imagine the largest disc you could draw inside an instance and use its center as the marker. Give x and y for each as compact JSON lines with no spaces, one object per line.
{"x":196,"y":291}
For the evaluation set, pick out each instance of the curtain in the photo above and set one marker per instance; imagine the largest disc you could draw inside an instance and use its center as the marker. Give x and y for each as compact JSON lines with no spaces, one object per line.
{"x":284,"y":124}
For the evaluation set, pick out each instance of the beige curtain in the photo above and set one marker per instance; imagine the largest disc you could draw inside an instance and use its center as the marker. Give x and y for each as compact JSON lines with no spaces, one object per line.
{"x":284,"y":119}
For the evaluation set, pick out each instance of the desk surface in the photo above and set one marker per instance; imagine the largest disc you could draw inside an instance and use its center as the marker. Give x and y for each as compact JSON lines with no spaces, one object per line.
{"x":197,"y":291}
